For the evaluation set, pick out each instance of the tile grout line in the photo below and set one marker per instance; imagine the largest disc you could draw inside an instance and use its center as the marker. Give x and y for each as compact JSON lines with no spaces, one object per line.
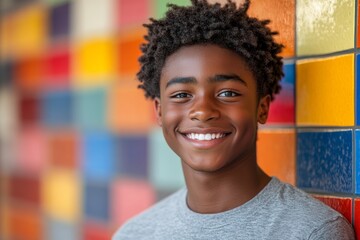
{"x":355,"y":117}
{"x":295,"y":89}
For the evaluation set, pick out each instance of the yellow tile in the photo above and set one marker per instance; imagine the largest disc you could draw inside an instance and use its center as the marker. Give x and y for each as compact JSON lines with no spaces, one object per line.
{"x":29,"y":30}
{"x":324,"y":26}
{"x":61,"y":195}
{"x":95,"y":61}
{"x":325,"y":91}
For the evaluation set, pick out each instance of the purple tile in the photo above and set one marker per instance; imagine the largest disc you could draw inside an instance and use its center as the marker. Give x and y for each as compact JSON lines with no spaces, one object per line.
{"x":132,"y":158}
{"x":60,"y":20}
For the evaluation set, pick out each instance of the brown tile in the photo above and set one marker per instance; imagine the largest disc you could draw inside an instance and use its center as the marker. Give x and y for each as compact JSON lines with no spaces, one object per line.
{"x":25,"y":188}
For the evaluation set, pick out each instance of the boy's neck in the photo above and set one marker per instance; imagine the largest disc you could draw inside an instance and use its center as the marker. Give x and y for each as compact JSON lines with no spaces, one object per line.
{"x":224,"y":190}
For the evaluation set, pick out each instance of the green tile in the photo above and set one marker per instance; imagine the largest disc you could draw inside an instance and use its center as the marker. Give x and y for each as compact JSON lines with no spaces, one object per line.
{"x":324,"y":26}
{"x":90,"y":109}
{"x":161,"y":8}
{"x":165,"y":166}
{"x":55,"y":2}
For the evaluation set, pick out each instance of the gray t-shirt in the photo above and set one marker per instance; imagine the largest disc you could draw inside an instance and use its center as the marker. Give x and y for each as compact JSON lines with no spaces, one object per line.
{"x":279,"y":211}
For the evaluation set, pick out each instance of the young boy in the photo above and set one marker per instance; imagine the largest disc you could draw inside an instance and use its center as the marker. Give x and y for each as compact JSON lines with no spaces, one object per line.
{"x":212,"y":72}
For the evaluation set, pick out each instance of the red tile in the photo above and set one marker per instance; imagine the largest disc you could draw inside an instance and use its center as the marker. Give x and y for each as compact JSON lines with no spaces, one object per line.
{"x":93,"y":231}
{"x":29,"y":109}
{"x":342,"y":205}
{"x":57,"y":67}
{"x":357,"y":218}
{"x":25,"y":188}
{"x":132,"y":12}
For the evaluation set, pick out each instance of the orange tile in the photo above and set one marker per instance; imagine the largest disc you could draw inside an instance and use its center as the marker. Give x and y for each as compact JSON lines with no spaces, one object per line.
{"x":276,"y":153}
{"x":129,"y":111}
{"x":4,"y":220}
{"x":24,"y":223}
{"x":358,"y":27}
{"x":63,"y":150}
{"x":29,"y":72}
{"x":129,"y":47}
{"x":282,"y":16}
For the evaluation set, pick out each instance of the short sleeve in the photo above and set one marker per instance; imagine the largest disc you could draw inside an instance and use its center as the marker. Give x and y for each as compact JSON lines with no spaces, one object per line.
{"x":337,"y":229}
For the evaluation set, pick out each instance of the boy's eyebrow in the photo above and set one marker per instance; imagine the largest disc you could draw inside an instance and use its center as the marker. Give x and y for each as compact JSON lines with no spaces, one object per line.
{"x":216,"y":78}
{"x":176,"y":80}
{"x":223,"y":77}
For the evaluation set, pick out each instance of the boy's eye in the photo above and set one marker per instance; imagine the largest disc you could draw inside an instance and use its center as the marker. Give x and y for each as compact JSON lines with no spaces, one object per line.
{"x":228,"y":94}
{"x":181,"y":95}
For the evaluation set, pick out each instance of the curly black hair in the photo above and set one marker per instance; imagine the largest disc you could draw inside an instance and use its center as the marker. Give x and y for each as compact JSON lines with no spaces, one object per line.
{"x":203,"y":23}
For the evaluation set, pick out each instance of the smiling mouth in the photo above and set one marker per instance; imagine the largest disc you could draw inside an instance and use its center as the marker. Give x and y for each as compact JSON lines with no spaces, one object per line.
{"x":205,"y":136}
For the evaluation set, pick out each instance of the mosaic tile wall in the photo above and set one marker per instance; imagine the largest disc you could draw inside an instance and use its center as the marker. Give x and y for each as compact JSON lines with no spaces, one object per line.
{"x":80,"y":152}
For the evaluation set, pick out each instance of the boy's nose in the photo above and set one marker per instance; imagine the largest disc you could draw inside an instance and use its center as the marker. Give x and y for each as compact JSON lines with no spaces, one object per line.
{"x":204,"y":110}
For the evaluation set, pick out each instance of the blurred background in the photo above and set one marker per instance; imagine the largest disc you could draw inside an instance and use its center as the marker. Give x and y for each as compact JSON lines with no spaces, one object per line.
{"x":80,"y":152}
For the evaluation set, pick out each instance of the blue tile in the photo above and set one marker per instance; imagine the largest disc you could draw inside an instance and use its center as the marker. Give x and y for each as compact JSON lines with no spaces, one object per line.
{"x":133,"y":152}
{"x":97,"y":201}
{"x":99,"y":156}
{"x":357,"y":98}
{"x":57,"y":108}
{"x":165,"y":171}
{"x":324,"y":161}
{"x":289,"y":71}
{"x":357,"y":161}
{"x":59,"y":230}
{"x":90,"y":109}
{"x":60,"y":20}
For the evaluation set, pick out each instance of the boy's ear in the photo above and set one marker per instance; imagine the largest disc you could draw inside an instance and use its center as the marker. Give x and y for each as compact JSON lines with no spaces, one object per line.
{"x":157,"y":107}
{"x":263,"y":109}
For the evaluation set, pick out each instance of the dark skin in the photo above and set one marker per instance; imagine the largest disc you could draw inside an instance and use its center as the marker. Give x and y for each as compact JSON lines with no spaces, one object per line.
{"x":209,"y":110}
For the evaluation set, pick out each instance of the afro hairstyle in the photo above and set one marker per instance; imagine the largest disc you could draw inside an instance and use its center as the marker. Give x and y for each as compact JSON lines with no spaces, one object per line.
{"x":227,"y":26}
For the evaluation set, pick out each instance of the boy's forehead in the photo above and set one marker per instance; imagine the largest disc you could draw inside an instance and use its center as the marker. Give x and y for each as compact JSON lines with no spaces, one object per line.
{"x":203,"y":57}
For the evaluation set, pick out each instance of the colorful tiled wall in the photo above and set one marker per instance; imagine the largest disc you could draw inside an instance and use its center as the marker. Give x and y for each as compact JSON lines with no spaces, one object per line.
{"x":80,"y":151}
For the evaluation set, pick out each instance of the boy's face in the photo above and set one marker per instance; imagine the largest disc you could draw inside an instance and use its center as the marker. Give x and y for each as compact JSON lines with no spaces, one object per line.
{"x":209,"y":108}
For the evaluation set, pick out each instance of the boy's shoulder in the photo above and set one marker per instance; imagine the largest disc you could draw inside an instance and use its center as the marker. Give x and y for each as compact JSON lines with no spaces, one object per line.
{"x":280,"y":210}
{"x":295,"y":203}
{"x":295,"y":209}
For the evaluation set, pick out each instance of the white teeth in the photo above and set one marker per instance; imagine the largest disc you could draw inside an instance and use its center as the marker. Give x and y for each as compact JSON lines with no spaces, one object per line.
{"x":206,"y":137}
